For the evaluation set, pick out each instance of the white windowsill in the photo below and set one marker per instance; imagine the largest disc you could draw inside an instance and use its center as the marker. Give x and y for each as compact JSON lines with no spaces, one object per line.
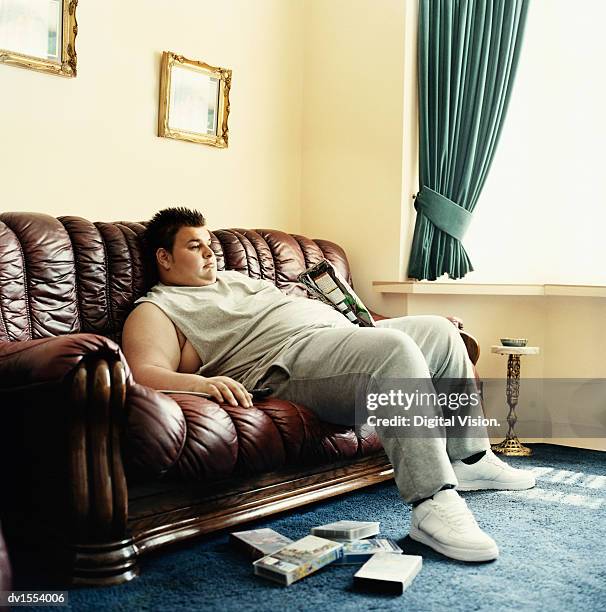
{"x":433,"y":288}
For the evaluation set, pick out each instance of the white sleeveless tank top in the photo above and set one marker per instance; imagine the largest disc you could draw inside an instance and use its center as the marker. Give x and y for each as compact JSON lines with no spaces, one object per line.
{"x":240,"y":326}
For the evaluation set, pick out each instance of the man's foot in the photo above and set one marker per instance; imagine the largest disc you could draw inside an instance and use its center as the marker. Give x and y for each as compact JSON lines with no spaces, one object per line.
{"x":446,"y":524}
{"x":491,"y":473}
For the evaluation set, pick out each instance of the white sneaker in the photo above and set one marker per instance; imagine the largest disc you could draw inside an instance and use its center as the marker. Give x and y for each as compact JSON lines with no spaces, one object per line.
{"x":446,"y":524}
{"x":491,"y":473}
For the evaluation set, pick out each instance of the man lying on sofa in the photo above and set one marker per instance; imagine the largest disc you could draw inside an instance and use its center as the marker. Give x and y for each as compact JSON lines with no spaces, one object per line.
{"x":197,"y":322}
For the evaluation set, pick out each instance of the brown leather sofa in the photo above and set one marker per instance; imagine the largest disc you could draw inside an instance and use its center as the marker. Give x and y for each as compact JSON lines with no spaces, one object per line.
{"x":97,"y":469}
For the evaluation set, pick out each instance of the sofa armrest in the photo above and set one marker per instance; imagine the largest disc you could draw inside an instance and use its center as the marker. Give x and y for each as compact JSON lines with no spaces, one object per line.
{"x":50,"y":360}
{"x":472,"y":346}
{"x":456,"y":322}
{"x":376,"y":316}
{"x":64,"y":402}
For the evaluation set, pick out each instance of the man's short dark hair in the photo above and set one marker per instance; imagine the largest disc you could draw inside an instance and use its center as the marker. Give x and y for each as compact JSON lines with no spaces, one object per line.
{"x":161,"y":230}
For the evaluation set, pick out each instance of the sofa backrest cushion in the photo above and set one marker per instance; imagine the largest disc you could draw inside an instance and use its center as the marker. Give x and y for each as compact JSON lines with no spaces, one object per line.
{"x":68,"y":275}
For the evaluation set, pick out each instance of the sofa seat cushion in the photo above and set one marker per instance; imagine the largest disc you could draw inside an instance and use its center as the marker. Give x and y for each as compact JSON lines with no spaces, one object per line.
{"x":187,"y":437}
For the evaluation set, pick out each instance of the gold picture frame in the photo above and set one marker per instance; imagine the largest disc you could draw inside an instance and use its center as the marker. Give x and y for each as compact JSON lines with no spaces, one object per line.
{"x":21,"y":31}
{"x":194,"y":101}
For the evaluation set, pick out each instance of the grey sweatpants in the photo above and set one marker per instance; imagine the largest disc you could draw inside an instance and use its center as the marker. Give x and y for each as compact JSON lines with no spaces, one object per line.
{"x":327,"y":370}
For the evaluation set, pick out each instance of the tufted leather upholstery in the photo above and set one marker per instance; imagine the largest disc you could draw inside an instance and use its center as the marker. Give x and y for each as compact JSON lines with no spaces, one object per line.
{"x":68,"y":275}
{"x":66,"y":288}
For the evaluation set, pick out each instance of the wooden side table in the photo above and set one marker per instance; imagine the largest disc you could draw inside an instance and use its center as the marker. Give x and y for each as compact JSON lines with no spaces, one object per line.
{"x":511,"y":445}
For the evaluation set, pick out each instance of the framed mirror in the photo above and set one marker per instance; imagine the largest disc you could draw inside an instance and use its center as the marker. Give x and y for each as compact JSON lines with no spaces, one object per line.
{"x":194,"y":101}
{"x":39,"y":35}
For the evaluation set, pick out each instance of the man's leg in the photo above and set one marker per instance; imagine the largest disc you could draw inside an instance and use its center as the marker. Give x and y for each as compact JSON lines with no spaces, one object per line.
{"x":333,"y":368}
{"x":446,"y":357}
{"x":475,"y":465}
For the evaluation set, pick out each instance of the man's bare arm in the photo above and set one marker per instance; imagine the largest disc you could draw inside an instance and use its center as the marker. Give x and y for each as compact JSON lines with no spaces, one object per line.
{"x":151,"y":346}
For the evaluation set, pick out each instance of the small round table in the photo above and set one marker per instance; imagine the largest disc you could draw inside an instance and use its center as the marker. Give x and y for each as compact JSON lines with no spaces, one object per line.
{"x":511,"y":445}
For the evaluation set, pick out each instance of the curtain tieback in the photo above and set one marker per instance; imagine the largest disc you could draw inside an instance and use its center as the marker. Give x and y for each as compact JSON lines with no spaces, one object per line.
{"x":443,"y":212}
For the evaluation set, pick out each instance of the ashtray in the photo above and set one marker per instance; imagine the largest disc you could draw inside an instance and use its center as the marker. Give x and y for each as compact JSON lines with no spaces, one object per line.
{"x":514,"y":342}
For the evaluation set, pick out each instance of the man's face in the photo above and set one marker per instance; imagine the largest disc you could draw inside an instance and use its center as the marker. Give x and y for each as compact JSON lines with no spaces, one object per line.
{"x":192,"y":262}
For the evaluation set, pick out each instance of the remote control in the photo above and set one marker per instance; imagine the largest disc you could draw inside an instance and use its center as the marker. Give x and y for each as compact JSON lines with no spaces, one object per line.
{"x":261,"y":392}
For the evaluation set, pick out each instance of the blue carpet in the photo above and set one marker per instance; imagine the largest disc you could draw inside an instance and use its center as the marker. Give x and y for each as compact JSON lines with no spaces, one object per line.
{"x":551,"y":540}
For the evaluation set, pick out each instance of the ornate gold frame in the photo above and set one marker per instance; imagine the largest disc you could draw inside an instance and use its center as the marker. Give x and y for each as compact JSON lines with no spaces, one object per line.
{"x":169,"y":59}
{"x":67,"y":66}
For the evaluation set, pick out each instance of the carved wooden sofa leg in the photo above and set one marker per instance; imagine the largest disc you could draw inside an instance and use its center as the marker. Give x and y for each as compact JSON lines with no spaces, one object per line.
{"x":102,"y":551}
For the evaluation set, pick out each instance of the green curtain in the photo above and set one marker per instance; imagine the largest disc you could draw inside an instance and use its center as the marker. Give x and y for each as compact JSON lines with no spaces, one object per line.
{"x":468,"y":53}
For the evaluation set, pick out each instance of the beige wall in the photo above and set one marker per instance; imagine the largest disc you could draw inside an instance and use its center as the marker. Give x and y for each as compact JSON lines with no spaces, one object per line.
{"x":353,"y":132}
{"x":571,"y":334}
{"x":88,"y":146}
{"x":571,"y":331}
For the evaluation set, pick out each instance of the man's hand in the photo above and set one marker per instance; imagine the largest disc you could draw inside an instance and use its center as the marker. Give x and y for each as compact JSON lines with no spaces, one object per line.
{"x":456,"y":322}
{"x":225,"y":389}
